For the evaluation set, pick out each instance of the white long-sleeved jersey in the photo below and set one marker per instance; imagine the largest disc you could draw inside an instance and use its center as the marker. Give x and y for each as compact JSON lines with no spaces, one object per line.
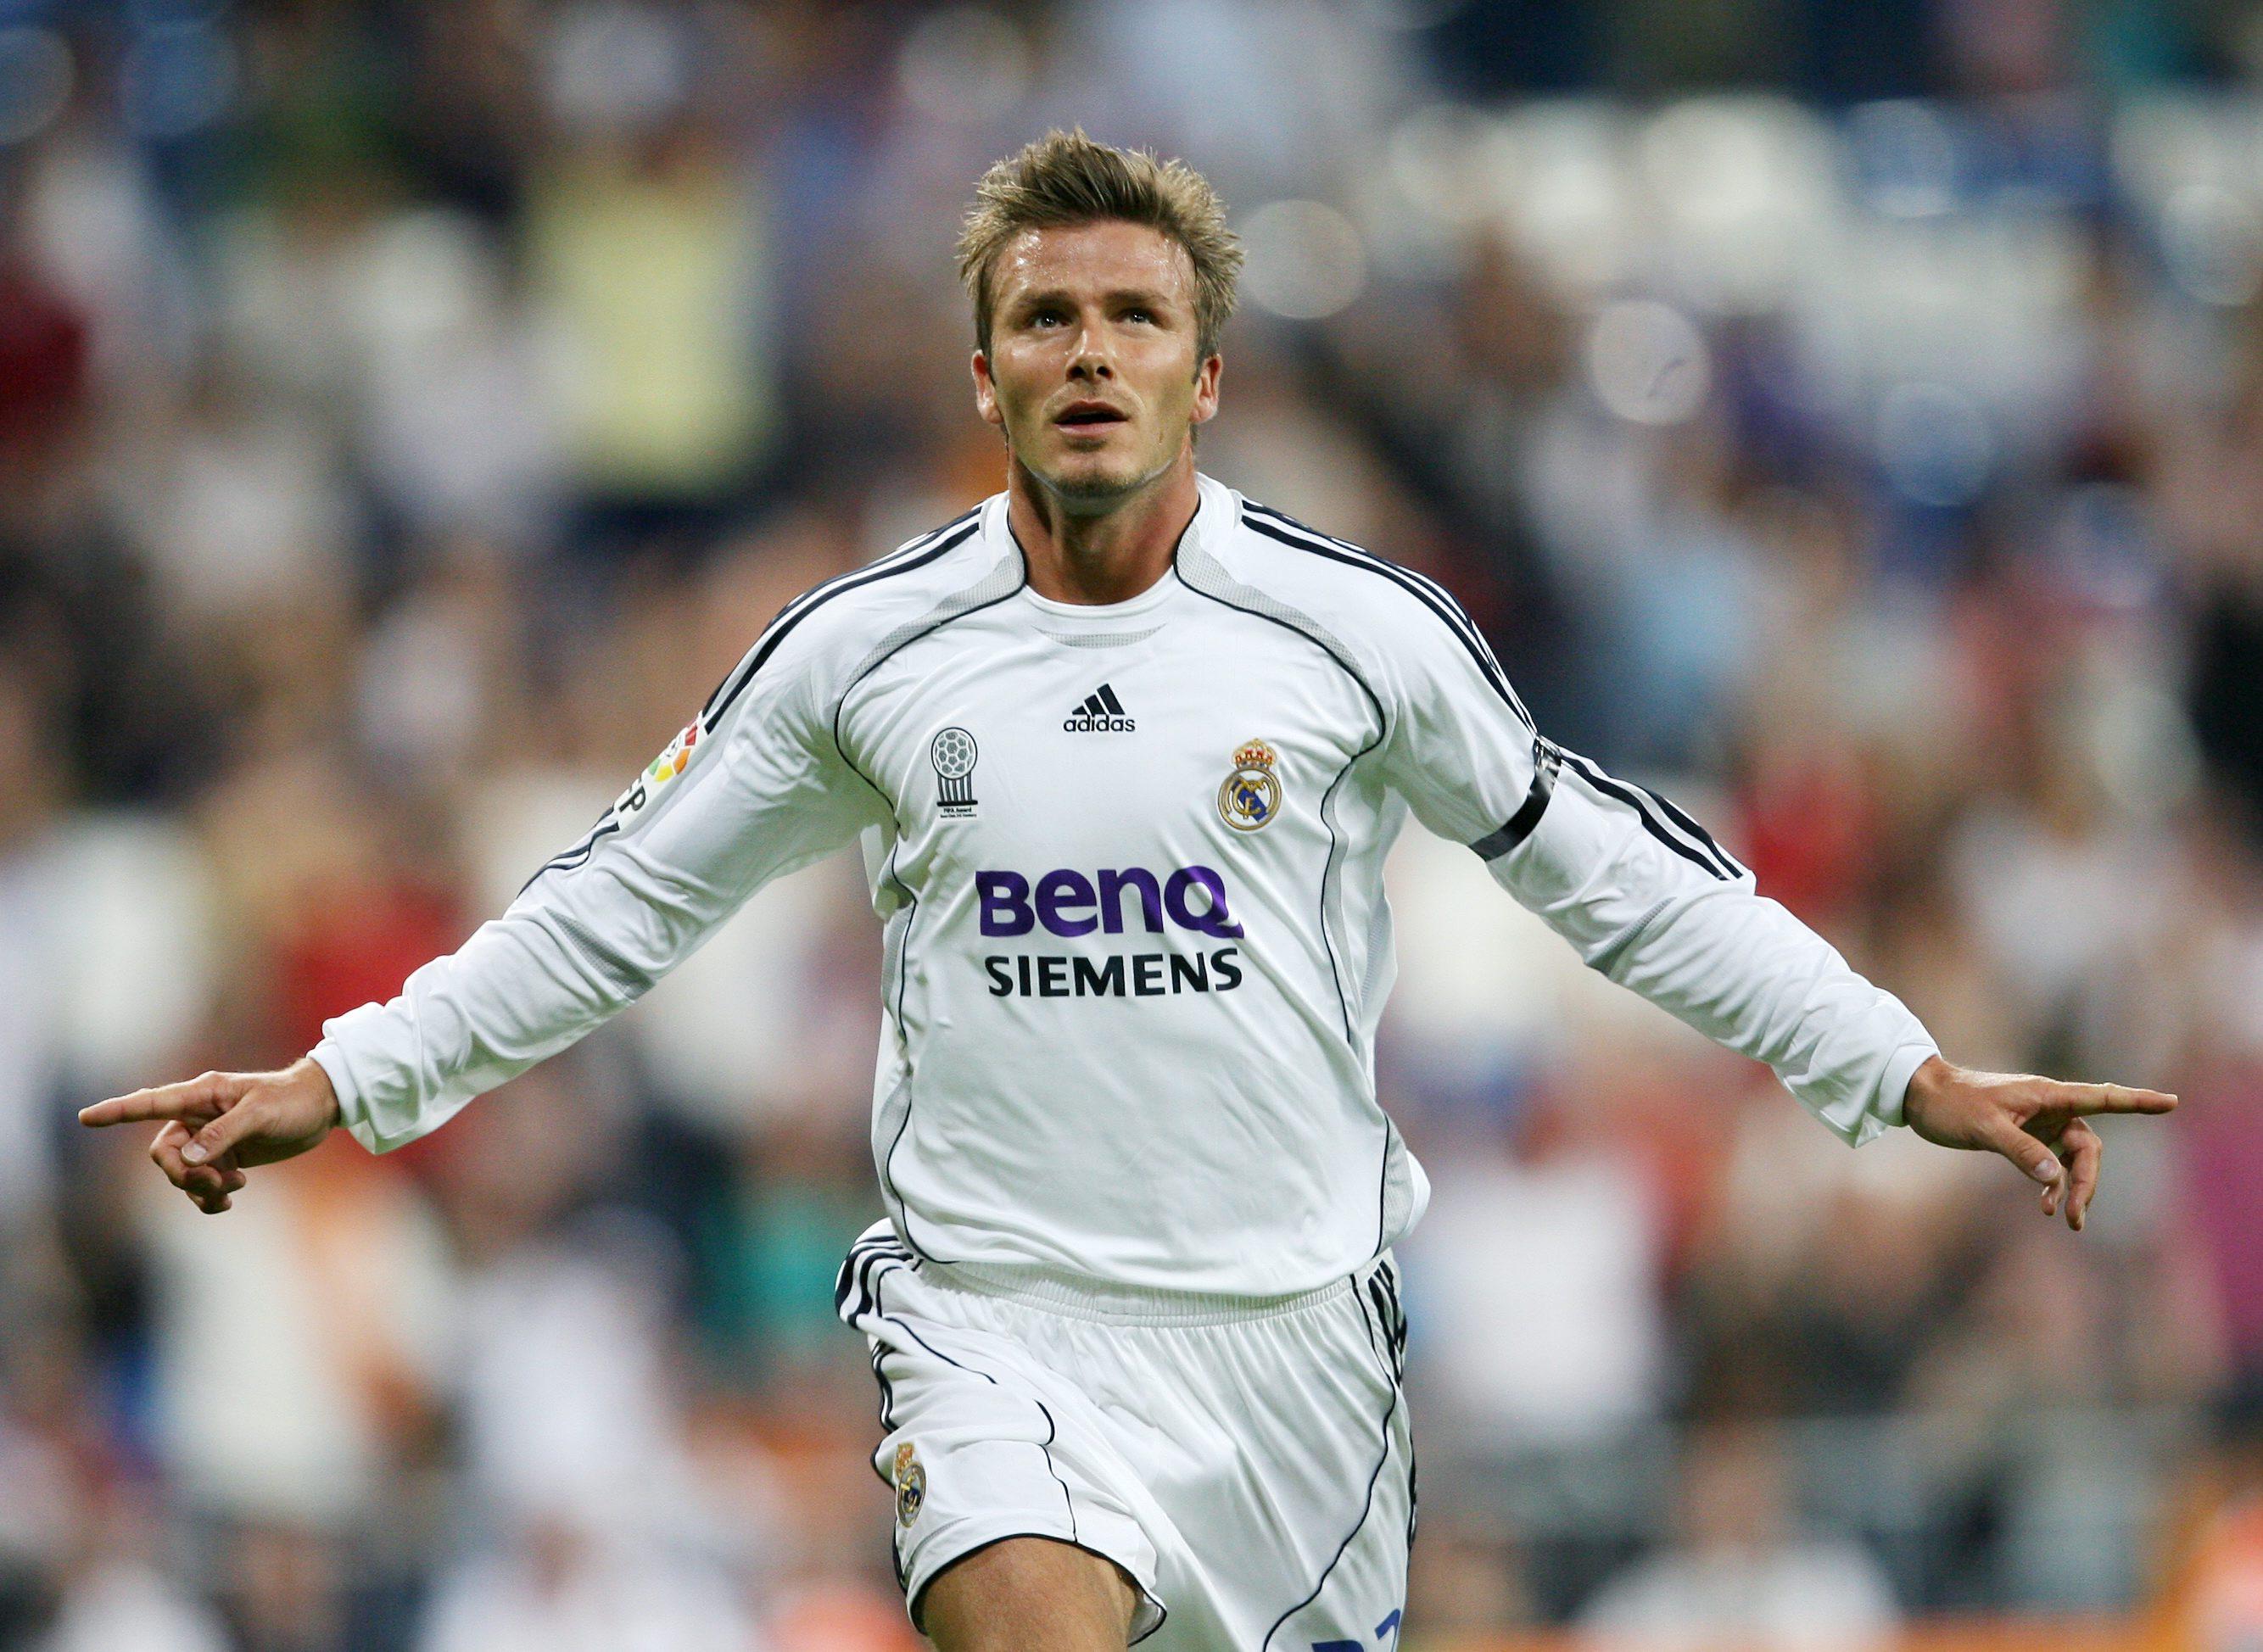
{"x":1130,"y":860}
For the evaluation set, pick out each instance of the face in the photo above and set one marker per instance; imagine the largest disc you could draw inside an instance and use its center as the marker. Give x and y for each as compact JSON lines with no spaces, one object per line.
{"x":1092,"y":372}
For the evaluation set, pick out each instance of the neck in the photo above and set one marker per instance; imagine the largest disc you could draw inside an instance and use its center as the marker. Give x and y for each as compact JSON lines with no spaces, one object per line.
{"x":1108,"y":555}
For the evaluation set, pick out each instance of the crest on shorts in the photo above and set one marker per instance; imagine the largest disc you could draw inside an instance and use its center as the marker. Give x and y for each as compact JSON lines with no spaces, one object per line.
{"x":911,"y":1485}
{"x":1251,"y":795}
{"x":953,"y":752}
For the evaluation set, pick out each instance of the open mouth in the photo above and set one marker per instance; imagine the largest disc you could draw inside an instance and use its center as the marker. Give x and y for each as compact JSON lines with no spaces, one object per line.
{"x":1086,"y":416}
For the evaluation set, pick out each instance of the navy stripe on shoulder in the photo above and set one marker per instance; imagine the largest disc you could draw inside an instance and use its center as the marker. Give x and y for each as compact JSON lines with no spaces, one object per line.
{"x":1634,"y":798}
{"x":819,"y":592}
{"x":1450,"y":607}
{"x":913,"y":554}
{"x":1443,"y":603}
{"x":916,"y":555}
{"x":1289,"y":531}
{"x":1455,"y":610}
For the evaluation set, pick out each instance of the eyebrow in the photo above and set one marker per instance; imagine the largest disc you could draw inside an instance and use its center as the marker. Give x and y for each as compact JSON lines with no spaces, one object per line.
{"x":1120,"y":295}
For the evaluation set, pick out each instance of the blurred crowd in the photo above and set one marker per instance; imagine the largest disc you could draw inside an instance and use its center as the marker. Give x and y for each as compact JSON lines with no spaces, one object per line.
{"x":1847,"y":418}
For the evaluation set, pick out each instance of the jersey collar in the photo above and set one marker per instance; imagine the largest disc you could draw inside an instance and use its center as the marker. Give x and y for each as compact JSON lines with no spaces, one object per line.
{"x":1214,"y":511}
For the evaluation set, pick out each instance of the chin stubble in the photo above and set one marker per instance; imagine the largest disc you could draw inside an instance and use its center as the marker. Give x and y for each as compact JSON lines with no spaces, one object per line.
{"x":1094,"y":495}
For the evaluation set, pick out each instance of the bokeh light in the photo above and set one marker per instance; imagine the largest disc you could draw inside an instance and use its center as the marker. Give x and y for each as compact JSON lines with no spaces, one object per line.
{"x":35,"y":80}
{"x":1306,"y":260}
{"x":965,"y":65}
{"x":1648,"y":363}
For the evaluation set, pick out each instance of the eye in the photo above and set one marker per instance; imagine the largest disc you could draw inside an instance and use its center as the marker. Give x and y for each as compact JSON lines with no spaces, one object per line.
{"x":1137,"y":312}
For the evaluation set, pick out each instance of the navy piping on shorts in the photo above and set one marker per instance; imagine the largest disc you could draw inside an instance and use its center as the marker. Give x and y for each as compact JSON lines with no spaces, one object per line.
{"x":1162,"y":1611}
{"x":872,"y":1261}
{"x":1383,"y":1292}
{"x":1390,"y":1414}
{"x":863,"y":1257}
{"x":1053,"y":1433}
{"x":1395,"y":1319}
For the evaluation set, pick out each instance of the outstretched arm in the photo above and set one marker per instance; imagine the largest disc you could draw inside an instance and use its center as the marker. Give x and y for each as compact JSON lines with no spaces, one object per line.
{"x":1652,"y":902}
{"x":1648,"y":898}
{"x":752,"y":788}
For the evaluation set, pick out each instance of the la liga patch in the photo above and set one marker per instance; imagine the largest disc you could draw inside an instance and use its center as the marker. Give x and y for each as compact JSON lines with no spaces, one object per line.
{"x":671,"y":763}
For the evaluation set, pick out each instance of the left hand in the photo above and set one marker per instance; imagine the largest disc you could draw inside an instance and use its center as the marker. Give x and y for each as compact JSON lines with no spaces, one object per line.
{"x":2038,"y":1123}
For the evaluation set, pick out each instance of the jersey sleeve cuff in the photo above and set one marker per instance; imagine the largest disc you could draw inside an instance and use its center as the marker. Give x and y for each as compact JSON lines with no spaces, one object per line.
{"x":330,"y":1057}
{"x":1893,"y":1084}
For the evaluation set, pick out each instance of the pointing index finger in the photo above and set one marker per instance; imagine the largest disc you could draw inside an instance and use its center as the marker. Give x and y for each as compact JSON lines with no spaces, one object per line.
{"x":2084,"y":1098}
{"x":163,"y":1101}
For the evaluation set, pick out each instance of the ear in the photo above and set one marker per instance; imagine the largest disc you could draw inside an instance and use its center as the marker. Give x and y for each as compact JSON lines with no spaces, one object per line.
{"x":1206,"y":381}
{"x":985,"y":392}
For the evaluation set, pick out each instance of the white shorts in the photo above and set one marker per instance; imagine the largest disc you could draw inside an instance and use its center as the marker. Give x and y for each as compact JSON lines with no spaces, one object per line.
{"x":1249,"y":1461}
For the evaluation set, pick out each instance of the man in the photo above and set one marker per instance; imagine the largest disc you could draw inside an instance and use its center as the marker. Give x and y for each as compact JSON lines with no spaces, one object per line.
{"x":1126,"y":752}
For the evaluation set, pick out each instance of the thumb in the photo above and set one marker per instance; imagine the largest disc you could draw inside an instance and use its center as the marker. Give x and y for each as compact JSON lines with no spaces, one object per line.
{"x":223,"y":1133}
{"x":2034,"y":1157}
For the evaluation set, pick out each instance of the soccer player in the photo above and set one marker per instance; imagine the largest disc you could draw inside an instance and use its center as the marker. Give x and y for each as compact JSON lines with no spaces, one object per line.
{"x":1126,"y":751}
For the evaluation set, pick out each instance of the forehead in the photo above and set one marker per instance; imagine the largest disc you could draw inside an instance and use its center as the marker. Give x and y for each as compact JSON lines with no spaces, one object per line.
{"x":1102,"y":257}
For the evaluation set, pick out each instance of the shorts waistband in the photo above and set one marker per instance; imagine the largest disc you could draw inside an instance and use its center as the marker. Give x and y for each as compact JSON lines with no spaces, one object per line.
{"x":1077,"y":1296}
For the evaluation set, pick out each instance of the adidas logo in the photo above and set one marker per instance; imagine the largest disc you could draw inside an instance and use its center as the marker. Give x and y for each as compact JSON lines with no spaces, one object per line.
{"x":1101,"y":713}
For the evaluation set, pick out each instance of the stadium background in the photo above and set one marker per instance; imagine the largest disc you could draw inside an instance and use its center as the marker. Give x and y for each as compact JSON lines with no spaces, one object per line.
{"x":1847,"y":415}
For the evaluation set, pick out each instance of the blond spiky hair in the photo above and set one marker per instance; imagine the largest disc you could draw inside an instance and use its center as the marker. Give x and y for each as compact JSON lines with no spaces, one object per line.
{"x":1065,"y":179}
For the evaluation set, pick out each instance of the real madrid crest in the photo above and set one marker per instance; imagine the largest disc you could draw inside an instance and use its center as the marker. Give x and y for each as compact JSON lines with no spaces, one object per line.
{"x":911,"y":1485}
{"x":1251,"y":795}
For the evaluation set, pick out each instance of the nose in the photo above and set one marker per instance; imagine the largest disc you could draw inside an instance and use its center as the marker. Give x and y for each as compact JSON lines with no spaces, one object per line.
{"x":1091,"y":358}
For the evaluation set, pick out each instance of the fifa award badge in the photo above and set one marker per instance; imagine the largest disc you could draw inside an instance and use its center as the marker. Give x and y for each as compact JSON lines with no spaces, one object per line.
{"x":953,"y":754}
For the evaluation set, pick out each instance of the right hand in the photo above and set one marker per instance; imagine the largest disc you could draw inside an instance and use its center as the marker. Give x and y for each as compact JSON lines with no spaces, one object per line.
{"x":219,"y":1124}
